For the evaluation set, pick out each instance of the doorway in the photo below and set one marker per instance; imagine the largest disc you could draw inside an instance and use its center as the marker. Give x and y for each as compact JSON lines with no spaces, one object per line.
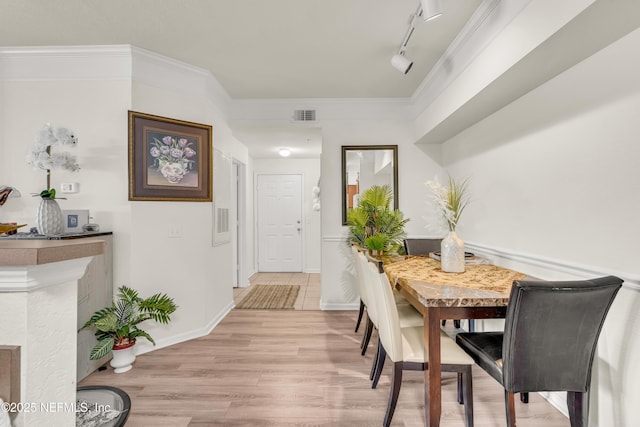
{"x":279,"y":222}
{"x":238,"y":227}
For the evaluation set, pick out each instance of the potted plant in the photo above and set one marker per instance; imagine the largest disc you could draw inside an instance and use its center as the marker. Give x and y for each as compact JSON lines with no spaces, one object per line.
{"x":451,"y":200}
{"x":117,"y":326}
{"x":374,"y":225}
{"x":49,"y":215}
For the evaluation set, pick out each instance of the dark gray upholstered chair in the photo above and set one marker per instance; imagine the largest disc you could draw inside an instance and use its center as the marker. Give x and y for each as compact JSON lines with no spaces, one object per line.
{"x":549,"y":341}
{"x":424,"y":247}
{"x":421,"y":246}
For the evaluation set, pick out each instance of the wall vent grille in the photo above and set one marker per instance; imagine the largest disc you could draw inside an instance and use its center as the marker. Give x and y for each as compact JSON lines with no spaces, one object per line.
{"x":222,"y":223}
{"x":304,"y":115}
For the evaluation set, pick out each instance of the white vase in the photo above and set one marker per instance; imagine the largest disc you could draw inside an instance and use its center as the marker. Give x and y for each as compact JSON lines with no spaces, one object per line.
{"x":122,"y":359}
{"x":49,"y":217}
{"x":452,"y":253}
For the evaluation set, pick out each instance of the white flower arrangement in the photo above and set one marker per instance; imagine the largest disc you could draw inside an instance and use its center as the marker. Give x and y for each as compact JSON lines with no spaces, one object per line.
{"x":450,"y":200}
{"x":41,"y":157}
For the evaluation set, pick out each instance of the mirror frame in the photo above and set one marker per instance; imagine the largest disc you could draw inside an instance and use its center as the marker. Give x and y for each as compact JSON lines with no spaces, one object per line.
{"x":345,"y":150}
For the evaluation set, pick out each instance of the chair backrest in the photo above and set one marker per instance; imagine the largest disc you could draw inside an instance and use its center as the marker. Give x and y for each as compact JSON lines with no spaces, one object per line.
{"x":388,"y":320}
{"x":365,"y":285}
{"x":359,"y":280}
{"x":551,"y":332}
{"x":421,"y":246}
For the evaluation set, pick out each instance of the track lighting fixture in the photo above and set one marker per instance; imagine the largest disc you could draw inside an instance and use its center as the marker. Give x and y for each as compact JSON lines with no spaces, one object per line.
{"x":427,"y":10}
{"x":401,"y":62}
{"x":431,"y":9}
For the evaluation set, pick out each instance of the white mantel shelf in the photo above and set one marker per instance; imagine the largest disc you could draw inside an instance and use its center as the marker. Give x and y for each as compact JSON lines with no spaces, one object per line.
{"x":38,"y":313}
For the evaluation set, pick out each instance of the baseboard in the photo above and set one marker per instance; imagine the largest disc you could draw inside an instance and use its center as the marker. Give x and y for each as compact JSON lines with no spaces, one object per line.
{"x":559,"y":401}
{"x":338,"y":306}
{"x":312,"y":271}
{"x":146,"y":347}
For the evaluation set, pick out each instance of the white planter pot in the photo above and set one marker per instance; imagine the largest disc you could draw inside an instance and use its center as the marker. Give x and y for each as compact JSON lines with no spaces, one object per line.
{"x":452,"y":253}
{"x":49,"y":217}
{"x":123,"y":359}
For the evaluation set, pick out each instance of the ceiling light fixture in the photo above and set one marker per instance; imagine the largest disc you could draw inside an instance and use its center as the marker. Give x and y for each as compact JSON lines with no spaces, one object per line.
{"x":431,"y":9}
{"x":284,"y":152}
{"x":427,"y":10}
{"x":401,"y":62}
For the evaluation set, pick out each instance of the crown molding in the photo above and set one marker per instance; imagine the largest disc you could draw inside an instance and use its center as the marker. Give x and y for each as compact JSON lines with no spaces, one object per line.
{"x":280,"y":111}
{"x":158,"y":70}
{"x":484,"y":25}
{"x":48,"y":63}
{"x":110,"y":62}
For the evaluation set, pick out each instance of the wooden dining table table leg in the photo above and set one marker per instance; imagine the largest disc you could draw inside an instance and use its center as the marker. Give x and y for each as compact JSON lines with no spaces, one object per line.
{"x":432,"y":375}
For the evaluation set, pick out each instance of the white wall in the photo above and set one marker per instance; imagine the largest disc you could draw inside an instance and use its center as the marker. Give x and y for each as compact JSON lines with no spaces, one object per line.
{"x":555,"y":181}
{"x":555,"y":186}
{"x":339,"y":290}
{"x":93,"y":100}
{"x":310,"y":171}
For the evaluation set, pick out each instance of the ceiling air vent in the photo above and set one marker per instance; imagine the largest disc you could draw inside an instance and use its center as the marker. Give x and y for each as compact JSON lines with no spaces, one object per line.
{"x":304,"y":115}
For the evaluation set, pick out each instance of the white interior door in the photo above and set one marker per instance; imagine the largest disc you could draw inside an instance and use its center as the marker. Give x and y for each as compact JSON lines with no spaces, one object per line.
{"x":279,"y":223}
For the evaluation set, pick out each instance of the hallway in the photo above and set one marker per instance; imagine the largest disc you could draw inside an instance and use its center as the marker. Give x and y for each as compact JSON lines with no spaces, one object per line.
{"x":308,"y":298}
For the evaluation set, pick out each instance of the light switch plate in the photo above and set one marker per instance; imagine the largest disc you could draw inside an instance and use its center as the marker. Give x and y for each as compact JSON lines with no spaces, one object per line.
{"x":69,"y":187}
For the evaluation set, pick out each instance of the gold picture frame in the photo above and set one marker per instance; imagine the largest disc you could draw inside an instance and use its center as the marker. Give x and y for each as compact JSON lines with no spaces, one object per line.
{"x":169,"y":159}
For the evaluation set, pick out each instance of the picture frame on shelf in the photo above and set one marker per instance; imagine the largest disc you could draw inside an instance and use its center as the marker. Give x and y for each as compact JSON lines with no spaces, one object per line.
{"x":73,"y":220}
{"x":169,"y":159}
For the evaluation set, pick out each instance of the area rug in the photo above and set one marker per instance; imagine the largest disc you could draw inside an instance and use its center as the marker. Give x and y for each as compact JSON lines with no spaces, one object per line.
{"x":270,"y":297}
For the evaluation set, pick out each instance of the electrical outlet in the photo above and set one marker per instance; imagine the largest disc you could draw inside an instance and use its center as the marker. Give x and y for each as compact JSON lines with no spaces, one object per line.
{"x":69,"y":187}
{"x":175,"y":232}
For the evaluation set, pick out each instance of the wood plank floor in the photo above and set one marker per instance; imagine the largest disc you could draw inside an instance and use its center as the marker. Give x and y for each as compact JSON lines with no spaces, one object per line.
{"x":291,"y":368}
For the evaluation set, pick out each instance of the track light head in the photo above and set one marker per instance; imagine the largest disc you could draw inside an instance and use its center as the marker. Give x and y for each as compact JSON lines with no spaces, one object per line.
{"x":401,"y":63}
{"x":431,"y":9}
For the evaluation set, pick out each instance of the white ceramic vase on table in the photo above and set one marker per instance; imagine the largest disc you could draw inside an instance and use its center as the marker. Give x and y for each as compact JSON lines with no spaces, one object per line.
{"x":49,"y":217}
{"x":452,"y":253}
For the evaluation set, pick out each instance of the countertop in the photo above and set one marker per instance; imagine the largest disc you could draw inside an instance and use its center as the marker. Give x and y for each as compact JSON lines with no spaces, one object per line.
{"x":65,"y":236}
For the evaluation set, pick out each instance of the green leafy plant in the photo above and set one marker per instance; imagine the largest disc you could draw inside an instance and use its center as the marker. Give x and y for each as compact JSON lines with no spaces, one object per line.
{"x":376,"y":242}
{"x":374,"y":217}
{"x":450,"y":200}
{"x":48,"y":194}
{"x":116,"y":326}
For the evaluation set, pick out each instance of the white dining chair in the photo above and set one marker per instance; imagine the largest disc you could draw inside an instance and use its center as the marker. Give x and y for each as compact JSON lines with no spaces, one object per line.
{"x":405,"y":347}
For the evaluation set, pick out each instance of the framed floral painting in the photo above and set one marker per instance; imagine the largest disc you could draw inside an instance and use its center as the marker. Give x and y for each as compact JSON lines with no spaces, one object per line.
{"x":169,"y":159}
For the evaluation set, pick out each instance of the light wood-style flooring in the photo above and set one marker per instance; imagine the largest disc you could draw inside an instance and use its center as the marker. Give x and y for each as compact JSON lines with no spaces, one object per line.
{"x":308,"y":297}
{"x":292,"y":368}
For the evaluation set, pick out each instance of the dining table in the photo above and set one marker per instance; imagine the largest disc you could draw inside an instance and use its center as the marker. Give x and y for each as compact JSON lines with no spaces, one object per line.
{"x":480,"y":292}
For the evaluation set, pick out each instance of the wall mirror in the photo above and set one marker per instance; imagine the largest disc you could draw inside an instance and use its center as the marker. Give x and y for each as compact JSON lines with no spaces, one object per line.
{"x":364,"y":166}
